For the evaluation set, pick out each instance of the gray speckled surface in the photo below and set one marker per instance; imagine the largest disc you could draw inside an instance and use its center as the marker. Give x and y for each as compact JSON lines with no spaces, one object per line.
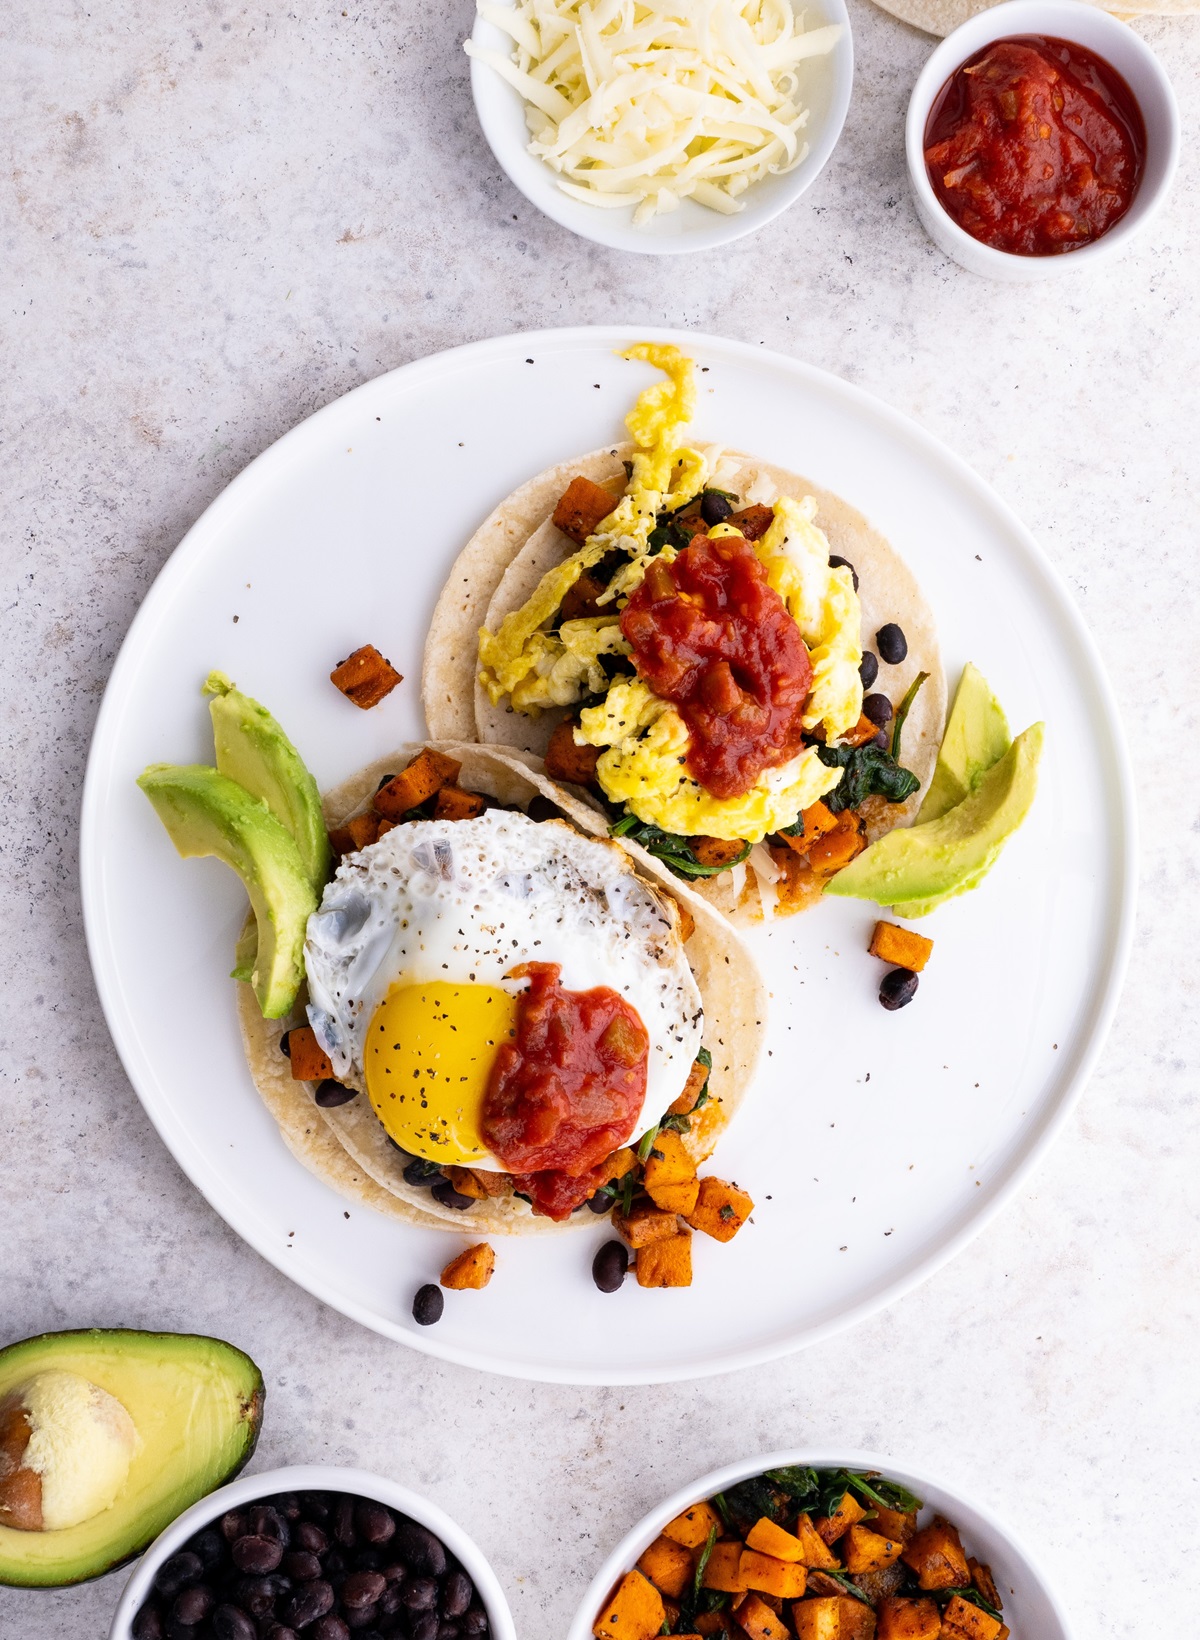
{"x":216,"y":217}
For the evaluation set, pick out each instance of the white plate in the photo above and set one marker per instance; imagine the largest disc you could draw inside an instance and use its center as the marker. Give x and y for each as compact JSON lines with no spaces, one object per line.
{"x":1030,"y":1605}
{"x":875,"y":1144}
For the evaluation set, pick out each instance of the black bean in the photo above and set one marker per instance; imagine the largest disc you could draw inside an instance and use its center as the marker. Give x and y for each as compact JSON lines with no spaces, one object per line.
{"x":447,"y":1631}
{"x":255,"y":1595}
{"x":878,"y":708}
{"x":541,"y":808}
{"x":285,"y":1044}
{"x":228,"y":1623}
{"x":363,"y":1588}
{"x":425,"y":1627}
{"x":423,"y":1552}
{"x":883,"y":740}
{"x":421,"y":1172}
{"x":375,"y":1523}
{"x":330,"y":1094}
{"x":449,"y":1197}
{"x":256,"y":1555}
{"x":868,"y":668}
{"x":601,"y":1202}
{"x":428,"y":1305}
{"x":836,"y":562}
{"x":315,"y":1505}
{"x":369,"y":1560}
{"x":288,"y":1505}
{"x":898,"y":989}
{"x":714,"y":507}
{"x":343,"y":1523}
{"x":359,"y":1617}
{"x":266,"y":1521}
{"x":420,"y":1594}
{"x":610,"y":1265}
{"x":147,"y":1625}
{"x":279,"y":1631}
{"x":233,"y":1525}
{"x":194,"y":1604}
{"x":177,"y":1572}
{"x":182,"y":1631}
{"x":456,"y":1594}
{"x":302,"y":1564}
{"x":394,"y":1572}
{"x":335,"y":1562}
{"x":210,"y":1547}
{"x":392,"y":1600}
{"x":307,"y":1603}
{"x":329,"y":1628}
{"x":474,"y":1621}
{"x":308,"y":1536}
{"x":891,"y":644}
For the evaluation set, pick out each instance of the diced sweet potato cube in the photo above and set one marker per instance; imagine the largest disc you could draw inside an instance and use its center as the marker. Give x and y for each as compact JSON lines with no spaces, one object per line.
{"x":865,"y":1551}
{"x":770,"y":1539}
{"x":567,"y":761}
{"x":716,"y":851}
{"x":452,"y":803}
{"x":783,"y":1578}
{"x":619,"y":1164}
{"x":581,"y":602}
{"x":646,"y":1225}
{"x":963,"y":1621}
{"x":754,"y":522}
{"x":710,"y":1623}
{"x":894,"y":1523}
{"x":888,"y":1580}
{"x":416,"y":783}
{"x":865,"y":729}
{"x":721,"y":1209}
{"x":363,"y":829}
{"x":901,"y":1619}
{"x":666,"y":1263}
{"x":936,"y":1555}
{"x":365,"y":677}
{"x":668,"y":1565}
{"x":581,"y":508}
{"x":310,"y":1062}
{"x":848,"y":1513}
{"x":470,"y":1269}
{"x":1005,"y":1632}
{"x":467,"y":1182}
{"x":669,"y":1175}
{"x":839,"y":845}
{"x":693,"y":1526}
{"x":982,"y":1579}
{"x":382,"y":826}
{"x":671,"y":1612}
{"x":692,"y":1089}
{"x":857,"y":1620}
{"x":723,"y":1571}
{"x":687,"y":923}
{"x":817,"y":819}
{"x":341,"y":841}
{"x":814,"y":1551}
{"x":759,"y":1621}
{"x":900,"y":946}
{"x":833,"y":1617}
{"x":635,"y":1611}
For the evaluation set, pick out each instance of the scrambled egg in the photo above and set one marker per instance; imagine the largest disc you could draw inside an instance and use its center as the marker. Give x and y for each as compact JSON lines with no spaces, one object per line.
{"x":644,"y":739}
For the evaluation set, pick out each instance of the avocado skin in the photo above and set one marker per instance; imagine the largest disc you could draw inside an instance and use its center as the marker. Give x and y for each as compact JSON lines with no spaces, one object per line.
{"x":173,"y":1385}
{"x":950,"y":854}
{"x":252,"y":749}
{"x":206,"y":813}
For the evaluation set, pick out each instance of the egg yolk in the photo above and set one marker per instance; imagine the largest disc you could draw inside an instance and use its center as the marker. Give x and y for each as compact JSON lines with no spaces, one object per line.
{"x":428,"y":1058}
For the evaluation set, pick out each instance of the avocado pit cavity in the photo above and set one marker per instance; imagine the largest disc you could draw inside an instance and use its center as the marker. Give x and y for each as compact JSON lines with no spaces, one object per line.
{"x":65,"y":1450}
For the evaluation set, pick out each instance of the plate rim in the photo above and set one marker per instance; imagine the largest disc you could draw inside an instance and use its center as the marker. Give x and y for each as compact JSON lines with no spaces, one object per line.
{"x":928,"y":1261}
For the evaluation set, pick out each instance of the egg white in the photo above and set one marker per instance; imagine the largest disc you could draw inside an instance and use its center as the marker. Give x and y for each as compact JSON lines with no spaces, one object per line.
{"x":467,"y":901}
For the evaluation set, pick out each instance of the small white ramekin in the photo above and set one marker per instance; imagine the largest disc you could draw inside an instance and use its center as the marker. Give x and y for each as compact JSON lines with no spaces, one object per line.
{"x":317,"y":1478}
{"x":1097,"y":31}
{"x":1031,"y":1609}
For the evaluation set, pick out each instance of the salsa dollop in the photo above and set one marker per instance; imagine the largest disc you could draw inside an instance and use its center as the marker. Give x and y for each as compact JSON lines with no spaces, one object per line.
{"x":1035,"y":146}
{"x":710,"y":634}
{"x":567,"y":1090}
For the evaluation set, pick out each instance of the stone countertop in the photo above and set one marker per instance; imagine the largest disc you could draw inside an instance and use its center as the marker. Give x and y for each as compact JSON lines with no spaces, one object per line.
{"x":217,"y":217}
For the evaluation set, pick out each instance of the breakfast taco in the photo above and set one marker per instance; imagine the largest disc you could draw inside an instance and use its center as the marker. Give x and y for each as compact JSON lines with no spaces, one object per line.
{"x":491,"y":1013}
{"x":682,"y":634}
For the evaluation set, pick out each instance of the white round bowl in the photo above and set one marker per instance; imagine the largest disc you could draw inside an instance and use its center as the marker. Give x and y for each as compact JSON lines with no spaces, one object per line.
{"x":316,"y":1478}
{"x":1031,"y":1610}
{"x":1098,"y":31}
{"x":825,"y":88}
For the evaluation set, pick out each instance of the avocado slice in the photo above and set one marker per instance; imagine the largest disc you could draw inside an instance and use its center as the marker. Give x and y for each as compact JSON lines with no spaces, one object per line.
{"x":207,"y":813}
{"x":953,"y":853}
{"x":253,"y":750}
{"x":976,"y":737}
{"x":196,"y":1404}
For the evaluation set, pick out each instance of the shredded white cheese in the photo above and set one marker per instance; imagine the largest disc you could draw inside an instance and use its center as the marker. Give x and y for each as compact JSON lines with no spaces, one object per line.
{"x":649,"y":102}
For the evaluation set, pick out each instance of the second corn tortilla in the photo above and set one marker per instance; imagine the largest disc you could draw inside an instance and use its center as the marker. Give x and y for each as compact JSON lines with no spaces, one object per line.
{"x":505,"y":568}
{"x":348,"y":1147}
{"x":942,"y":17}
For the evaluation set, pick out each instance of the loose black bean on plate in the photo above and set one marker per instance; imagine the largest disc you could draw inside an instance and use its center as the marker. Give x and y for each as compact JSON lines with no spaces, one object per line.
{"x":898,"y":989}
{"x":836,"y":562}
{"x":878,"y":708}
{"x":714,"y":507}
{"x":428,"y":1305}
{"x":330,"y":1094}
{"x":610,"y":1265}
{"x":891,"y":643}
{"x":868,"y":669}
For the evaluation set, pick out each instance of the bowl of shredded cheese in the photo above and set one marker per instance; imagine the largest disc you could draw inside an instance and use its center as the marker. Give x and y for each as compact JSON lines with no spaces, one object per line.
{"x":661,"y":125}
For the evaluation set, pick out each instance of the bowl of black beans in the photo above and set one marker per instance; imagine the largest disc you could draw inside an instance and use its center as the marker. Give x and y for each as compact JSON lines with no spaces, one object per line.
{"x":313,"y":1553}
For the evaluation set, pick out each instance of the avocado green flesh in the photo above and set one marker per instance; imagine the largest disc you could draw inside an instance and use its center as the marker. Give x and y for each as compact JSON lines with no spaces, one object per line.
{"x":976,"y":737}
{"x":949,"y":854}
{"x":252,"y":749}
{"x":197,"y":1406}
{"x":206,"y":813}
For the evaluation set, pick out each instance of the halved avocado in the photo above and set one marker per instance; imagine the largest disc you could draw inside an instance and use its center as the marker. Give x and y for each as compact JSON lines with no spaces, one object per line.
{"x":197,"y":1406}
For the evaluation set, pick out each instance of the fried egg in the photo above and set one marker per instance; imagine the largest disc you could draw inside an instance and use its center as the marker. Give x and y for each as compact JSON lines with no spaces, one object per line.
{"x":410,"y":961}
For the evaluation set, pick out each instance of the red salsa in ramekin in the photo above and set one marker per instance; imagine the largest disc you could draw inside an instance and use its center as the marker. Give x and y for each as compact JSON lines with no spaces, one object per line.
{"x":1035,"y":146}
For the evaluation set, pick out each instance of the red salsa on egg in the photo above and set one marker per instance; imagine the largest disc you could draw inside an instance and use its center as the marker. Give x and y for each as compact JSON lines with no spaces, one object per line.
{"x":1035,"y":146}
{"x":710,"y":634}
{"x":567,"y":1091}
